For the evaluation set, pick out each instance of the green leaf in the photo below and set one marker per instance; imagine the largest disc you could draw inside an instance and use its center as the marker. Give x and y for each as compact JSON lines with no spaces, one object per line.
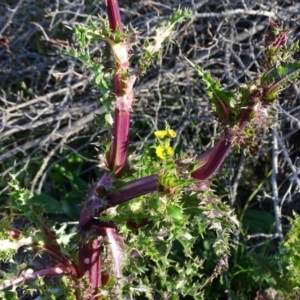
{"x":71,"y":209}
{"x":47,"y":202}
{"x":281,"y":74}
{"x":223,"y":101}
{"x":8,"y":295}
{"x":186,"y":239}
{"x":163,"y":32}
{"x":258,"y":221}
{"x":175,"y":212}
{"x":266,"y":266}
{"x":154,"y":203}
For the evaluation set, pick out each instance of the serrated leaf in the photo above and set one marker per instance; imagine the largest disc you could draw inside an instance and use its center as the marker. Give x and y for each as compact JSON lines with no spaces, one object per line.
{"x":163,"y":32}
{"x":283,"y":73}
{"x":223,"y":101}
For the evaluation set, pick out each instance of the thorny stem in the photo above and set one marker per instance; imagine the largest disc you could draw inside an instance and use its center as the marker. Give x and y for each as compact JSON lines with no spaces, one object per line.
{"x":51,"y":246}
{"x":90,"y":251}
{"x":213,"y":158}
{"x":118,"y":151}
{"x":115,"y":245}
{"x":128,"y":191}
{"x":68,"y":265}
{"x":133,"y":189}
{"x":57,"y":270}
{"x":90,"y":264}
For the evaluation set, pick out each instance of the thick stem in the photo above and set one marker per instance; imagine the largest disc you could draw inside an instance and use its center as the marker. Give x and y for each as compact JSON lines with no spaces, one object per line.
{"x":133,"y":189}
{"x":128,"y":191}
{"x":90,"y":265}
{"x":213,"y":159}
{"x":66,"y":263}
{"x":114,"y":17}
{"x":29,"y":276}
{"x":118,"y":150}
{"x":51,"y":245}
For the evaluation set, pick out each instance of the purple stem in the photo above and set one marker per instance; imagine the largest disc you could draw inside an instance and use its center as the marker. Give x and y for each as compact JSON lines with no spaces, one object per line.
{"x":118,"y":152}
{"x":29,"y":276}
{"x":213,"y":158}
{"x":51,"y":245}
{"x":128,"y":191}
{"x":133,"y":189}
{"x":90,"y":265}
{"x":114,"y":17}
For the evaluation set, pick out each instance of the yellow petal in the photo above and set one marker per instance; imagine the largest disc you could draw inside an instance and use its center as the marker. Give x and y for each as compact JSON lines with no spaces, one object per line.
{"x":160,"y":152}
{"x":160,"y":134}
{"x":169,"y":150}
{"x":171,"y":133}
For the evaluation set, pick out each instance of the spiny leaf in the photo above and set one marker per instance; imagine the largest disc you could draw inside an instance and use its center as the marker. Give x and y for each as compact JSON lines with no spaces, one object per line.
{"x":175,"y":212}
{"x":286,"y":71}
{"x":163,"y":32}
{"x":223,"y":101}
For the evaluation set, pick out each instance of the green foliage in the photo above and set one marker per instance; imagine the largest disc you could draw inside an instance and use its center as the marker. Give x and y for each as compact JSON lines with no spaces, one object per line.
{"x":161,"y":259}
{"x":258,"y":221}
{"x":8,"y":245}
{"x":249,"y":101}
{"x":38,"y":235}
{"x":152,"y":47}
{"x":222,"y":100}
{"x":278,"y":77}
{"x":289,"y":252}
{"x":86,"y":35}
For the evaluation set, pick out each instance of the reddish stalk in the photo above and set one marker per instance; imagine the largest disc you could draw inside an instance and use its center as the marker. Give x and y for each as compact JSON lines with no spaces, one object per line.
{"x":90,"y":265}
{"x":118,"y":151}
{"x":90,"y":251}
{"x":128,"y":191}
{"x":57,"y":270}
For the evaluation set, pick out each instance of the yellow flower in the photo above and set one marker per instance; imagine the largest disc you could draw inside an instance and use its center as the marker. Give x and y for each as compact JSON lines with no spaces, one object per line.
{"x":160,"y":152}
{"x":160,"y":134}
{"x":169,"y":150}
{"x":171,"y":133}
